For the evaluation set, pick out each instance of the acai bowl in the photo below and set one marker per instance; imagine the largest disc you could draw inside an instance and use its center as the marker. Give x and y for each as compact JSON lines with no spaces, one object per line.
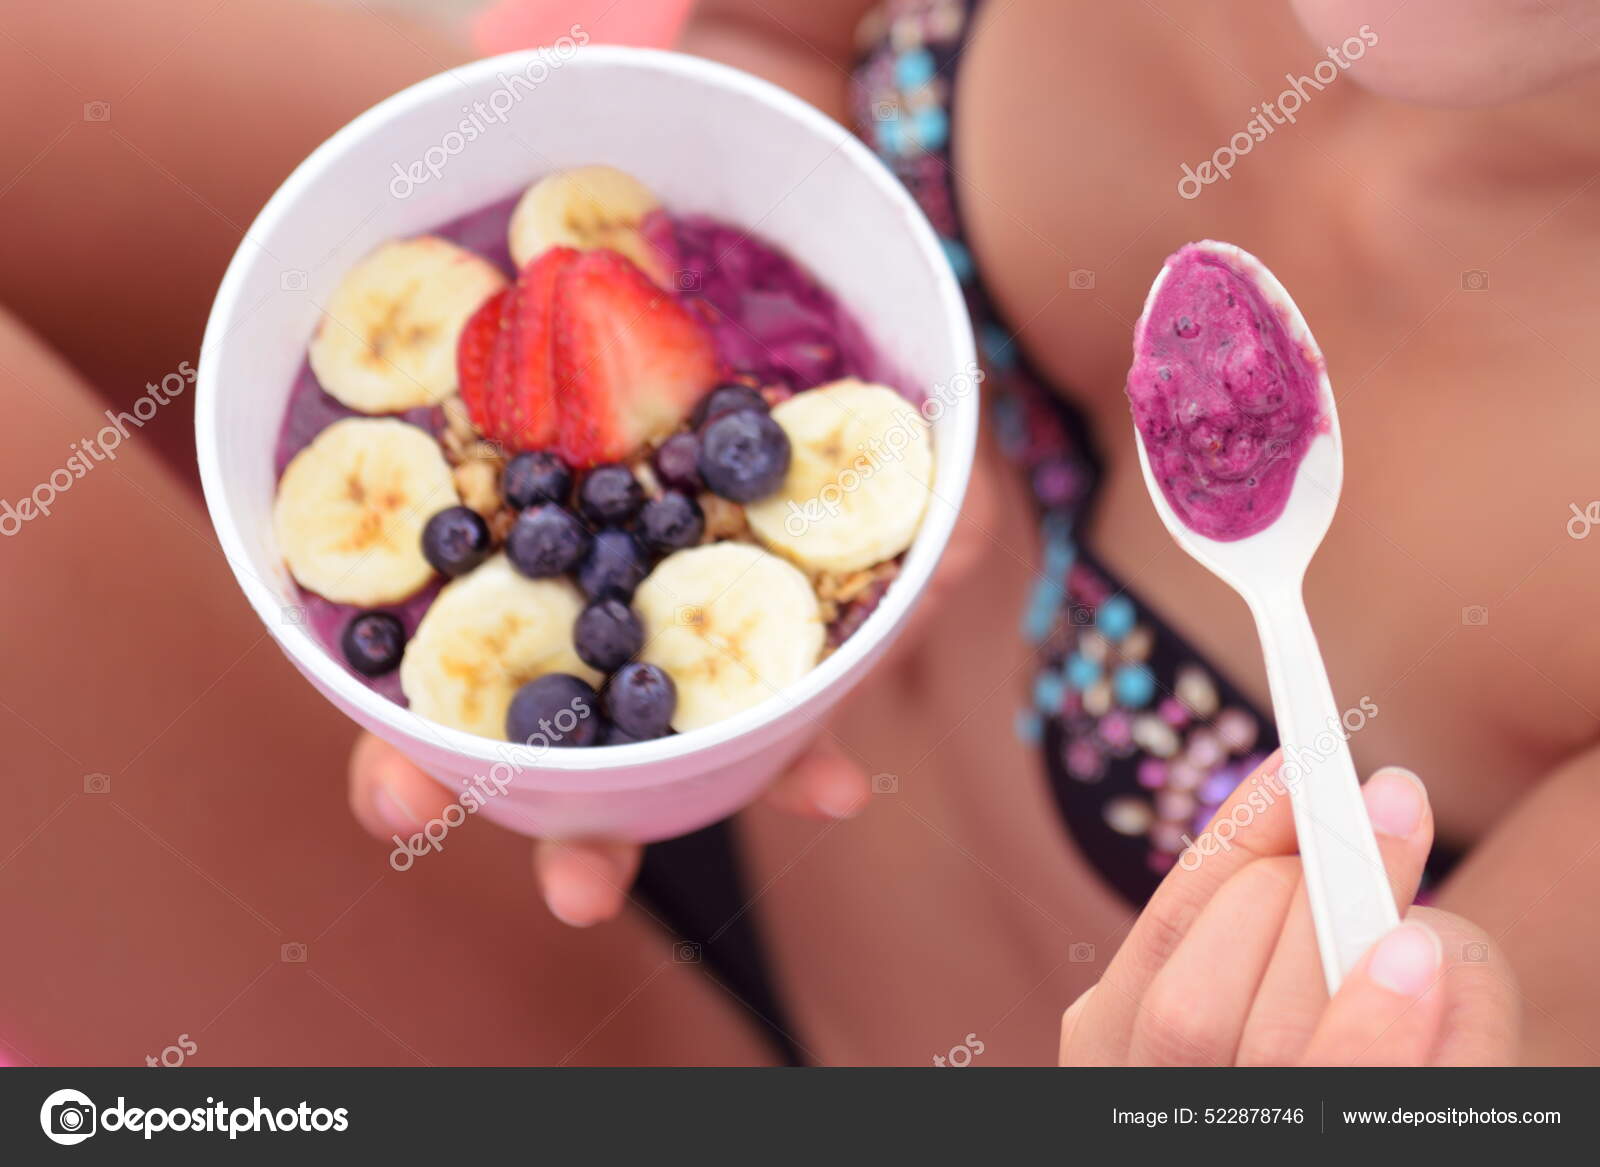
{"x":612,"y":364}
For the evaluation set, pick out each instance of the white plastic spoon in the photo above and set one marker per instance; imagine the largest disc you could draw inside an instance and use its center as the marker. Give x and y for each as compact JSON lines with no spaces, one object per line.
{"x":1351,"y":903}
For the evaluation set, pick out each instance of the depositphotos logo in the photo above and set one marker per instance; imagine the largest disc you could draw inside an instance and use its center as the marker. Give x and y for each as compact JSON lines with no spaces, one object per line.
{"x":68,"y":1117}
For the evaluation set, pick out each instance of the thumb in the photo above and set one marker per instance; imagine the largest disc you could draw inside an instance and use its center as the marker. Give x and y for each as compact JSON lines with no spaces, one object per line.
{"x":388,"y":794}
{"x":1389,"y":1009}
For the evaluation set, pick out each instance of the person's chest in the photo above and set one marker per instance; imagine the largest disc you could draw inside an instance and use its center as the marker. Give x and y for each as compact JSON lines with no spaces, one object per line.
{"x":1449,"y":591}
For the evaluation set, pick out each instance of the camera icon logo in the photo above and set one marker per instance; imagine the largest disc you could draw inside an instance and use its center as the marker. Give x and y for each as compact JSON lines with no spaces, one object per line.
{"x":294,"y":614}
{"x":293,"y":280}
{"x":97,"y":111}
{"x":292,"y":953}
{"x":1475,"y":280}
{"x":97,"y":783}
{"x":1081,"y":953}
{"x":686,"y":952}
{"x":686,"y":281}
{"x":1080,"y":279}
{"x":67,"y":1117}
{"x":885,"y":784}
{"x":1475,"y":616}
{"x":1475,"y":952}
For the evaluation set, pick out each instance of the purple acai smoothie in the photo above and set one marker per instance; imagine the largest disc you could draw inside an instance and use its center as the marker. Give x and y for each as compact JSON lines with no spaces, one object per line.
{"x":1225,"y":399}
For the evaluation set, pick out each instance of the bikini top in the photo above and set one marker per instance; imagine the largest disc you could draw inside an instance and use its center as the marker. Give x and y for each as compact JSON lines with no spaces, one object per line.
{"x":1141,"y":738}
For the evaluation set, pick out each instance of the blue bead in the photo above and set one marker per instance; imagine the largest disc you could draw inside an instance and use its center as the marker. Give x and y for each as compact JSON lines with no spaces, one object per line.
{"x":998,"y":346}
{"x":1058,"y":559}
{"x":1134,"y":686}
{"x":914,"y":68}
{"x":1028,"y":727}
{"x":1060,"y":553}
{"x":960,"y":258}
{"x":1009,"y":425}
{"x":891,"y":135}
{"x":1043,"y":605}
{"x":1081,"y":671}
{"x":1048,"y":688}
{"x":1116,"y":617}
{"x":933,"y":127}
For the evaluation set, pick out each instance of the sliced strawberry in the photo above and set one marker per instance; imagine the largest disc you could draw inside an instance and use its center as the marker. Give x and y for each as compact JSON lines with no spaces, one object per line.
{"x":525,"y":411}
{"x":630,"y":360}
{"x":502,"y":372}
{"x":474,"y":354}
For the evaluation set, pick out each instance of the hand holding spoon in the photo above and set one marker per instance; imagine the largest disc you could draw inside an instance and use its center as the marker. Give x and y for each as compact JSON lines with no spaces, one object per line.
{"x":1239,"y":442}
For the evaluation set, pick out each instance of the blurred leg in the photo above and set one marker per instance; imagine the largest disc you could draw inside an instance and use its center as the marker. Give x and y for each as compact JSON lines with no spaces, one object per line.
{"x":141,"y":140}
{"x":176,"y":856}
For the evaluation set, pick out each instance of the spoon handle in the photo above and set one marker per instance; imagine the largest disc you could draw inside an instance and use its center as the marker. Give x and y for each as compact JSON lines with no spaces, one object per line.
{"x":1352,"y":905}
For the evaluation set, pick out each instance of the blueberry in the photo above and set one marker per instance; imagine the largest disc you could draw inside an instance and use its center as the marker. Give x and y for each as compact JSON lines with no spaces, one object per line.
{"x":640,"y":700}
{"x":535,"y":477}
{"x":456,"y":540}
{"x":557,"y":709}
{"x":607,"y":635}
{"x":612,"y":736}
{"x":677,"y":463}
{"x":610,"y":494}
{"x":724,"y":400}
{"x":615,"y":565}
{"x":671,"y":523}
{"x":373,"y":643}
{"x":744,"y":455}
{"x":547,"y":540}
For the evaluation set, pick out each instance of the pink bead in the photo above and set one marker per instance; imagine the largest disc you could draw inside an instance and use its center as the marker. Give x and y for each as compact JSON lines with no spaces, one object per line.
{"x":1116,"y":729}
{"x":1175,"y":805}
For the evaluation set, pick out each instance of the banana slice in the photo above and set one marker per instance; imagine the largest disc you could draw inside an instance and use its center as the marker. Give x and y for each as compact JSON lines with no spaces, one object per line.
{"x":388,"y":339}
{"x":731,"y":625}
{"x":485,"y":636}
{"x":351,"y":507}
{"x":589,"y":207}
{"x":860,"y":473}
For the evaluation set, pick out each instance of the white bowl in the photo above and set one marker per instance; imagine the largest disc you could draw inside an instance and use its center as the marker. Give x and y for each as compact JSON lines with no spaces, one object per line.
{"x":708,"y":139}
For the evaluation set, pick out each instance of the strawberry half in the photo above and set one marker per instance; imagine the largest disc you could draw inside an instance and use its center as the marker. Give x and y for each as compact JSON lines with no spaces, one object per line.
{"x":502,"y":370}
{"x":475,"y":354}
{"x":524,"y":378}
{"x":630,"y":360}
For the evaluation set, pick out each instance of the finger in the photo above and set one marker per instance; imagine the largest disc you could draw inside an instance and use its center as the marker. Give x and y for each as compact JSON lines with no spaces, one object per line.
{"x":1389,"y":1009}
{"x":1069,"y":1023}
{"x":1482,"y":1025}
{"x":1195,"y":1010}
{"x":389,"y":796}
{"x":825,"y":783}
{"x":1293,"y":993}
{"x":1256,"y":822}
{"x":585,"y":881}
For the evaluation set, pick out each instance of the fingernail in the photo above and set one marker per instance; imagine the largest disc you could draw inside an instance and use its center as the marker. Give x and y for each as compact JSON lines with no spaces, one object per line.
{"x":1395,"y":801}
{"x":1407,"y":960}
{"x":394,"y":814}
{"x":572,"y":892}
{"x":839,"y":802}
{"x":577,"y":915}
